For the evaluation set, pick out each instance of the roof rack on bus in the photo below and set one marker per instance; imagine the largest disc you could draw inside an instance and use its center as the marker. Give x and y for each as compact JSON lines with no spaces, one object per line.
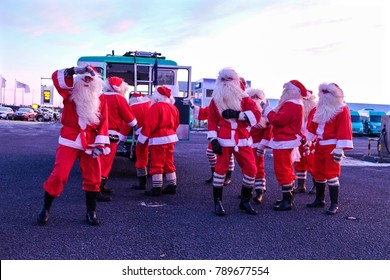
{"x":144,"y":54}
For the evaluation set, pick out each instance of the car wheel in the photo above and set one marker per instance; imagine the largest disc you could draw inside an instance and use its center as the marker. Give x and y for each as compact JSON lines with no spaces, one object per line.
{"x":39,"y":119}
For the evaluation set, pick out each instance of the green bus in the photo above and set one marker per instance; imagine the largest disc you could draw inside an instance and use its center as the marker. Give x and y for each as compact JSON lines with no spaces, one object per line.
{"x":144,"y":71}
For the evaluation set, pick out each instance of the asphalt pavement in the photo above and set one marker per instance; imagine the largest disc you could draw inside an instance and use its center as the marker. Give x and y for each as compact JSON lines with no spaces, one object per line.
{"x":182,"y":226}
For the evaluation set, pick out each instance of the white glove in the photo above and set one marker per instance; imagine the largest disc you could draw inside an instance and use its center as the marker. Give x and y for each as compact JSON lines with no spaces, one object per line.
{"x":260,"y":150}
{"x":83,"y":70}
{"x":338,"y":153}
{"x":97,"y":152}
{"x":264,"y":104}
{"x":306,"y":148}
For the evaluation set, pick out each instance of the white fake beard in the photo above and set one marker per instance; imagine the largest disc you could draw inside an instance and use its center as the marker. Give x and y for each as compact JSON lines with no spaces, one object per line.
{"x":308,"y":105}
{"x":328,"y":106}
{"x":228,"y":96}
{"x":87,"y":100}
{"x":286,"y":95}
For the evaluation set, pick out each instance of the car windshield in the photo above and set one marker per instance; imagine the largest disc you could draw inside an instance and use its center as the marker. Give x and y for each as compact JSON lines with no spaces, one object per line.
{"x":4,"y":109}
{"x":24,"y":110}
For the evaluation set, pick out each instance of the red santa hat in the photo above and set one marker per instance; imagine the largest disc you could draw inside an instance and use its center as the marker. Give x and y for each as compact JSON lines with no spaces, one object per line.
{"x":115,"y":83}
{"x":136,"y":94}
{"x":331,"y":88}
{"x":89,"y":74}
{"x":164,"y":91}
{"x":295,"y":84}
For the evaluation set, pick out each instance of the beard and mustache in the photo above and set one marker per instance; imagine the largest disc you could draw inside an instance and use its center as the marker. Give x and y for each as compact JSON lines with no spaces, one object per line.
{"x":328,"y":106}
{"x":227,"y":95}
{"x":87,"y":100}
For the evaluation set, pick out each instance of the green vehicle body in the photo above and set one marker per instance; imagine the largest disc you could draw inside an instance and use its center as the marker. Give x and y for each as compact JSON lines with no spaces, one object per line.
{"x":372,"y":122}
{"x":357,"y":123}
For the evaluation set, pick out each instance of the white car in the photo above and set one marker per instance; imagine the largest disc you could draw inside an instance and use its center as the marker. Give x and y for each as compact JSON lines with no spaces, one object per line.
{"x":6,"y":113}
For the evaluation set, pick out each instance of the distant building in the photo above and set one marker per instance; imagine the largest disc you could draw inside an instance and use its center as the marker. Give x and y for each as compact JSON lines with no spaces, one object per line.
{"x":201,"y":93}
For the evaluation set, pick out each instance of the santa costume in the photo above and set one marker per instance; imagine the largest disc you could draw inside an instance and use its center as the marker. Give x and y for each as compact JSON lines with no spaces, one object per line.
{"x":160,"y":131}
{"x":83,"y":136}
{"x":201,"y":114}
{"x":286,"y":120}
{"x":139,"y":106}
{"x":118,"y":114}
{"x":231,"y":114}
{"x":332,"y":127}
{"x":261,"y":135}
{"x":304,"y":165}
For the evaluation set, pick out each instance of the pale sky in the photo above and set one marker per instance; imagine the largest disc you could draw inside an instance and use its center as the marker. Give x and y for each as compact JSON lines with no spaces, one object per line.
{"x":267,"y":41}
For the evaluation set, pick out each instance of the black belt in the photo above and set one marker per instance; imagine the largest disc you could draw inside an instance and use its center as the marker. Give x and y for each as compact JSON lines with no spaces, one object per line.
{"x":113,"y":138}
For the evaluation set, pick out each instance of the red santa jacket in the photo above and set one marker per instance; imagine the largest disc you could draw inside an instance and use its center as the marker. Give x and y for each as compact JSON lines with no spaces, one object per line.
{"x":71,"y":134}
{"x":337,"y":131}
{"x":118,"y":113}
{"x":139,"y":110}
{"x":233,"y":132}
{"x":261,"y":136}
{"x":286,"y":125}
{"x":201,"y":113}
{"x":161,"y":124}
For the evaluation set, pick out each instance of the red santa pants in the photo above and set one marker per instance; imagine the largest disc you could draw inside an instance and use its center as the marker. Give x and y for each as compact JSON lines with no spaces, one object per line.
{"x":244,"y":157}
{"x":324,"y":167}
{"x":141,"y":151}
{"x":107,"y":160}
{"x":283,"y":166}
{"x":65,"y":159}
{"x":259,"y":165}
{"x":161,"y":159}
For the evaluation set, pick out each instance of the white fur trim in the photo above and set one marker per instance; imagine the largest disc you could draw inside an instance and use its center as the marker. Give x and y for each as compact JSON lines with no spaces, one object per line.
{"x":102,"y":139}
{"x":106,"y":150}
{"x":142,"y":138}
{"x":228,"y":74}
{"x":331,"y":88}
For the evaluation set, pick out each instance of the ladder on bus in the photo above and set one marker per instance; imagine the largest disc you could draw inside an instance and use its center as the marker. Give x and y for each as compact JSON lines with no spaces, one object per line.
{"x":153,"y":70}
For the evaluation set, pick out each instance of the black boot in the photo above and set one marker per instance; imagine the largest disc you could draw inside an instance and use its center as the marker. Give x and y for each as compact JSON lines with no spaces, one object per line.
{"x":103,"y":197}
{"x":246,"y":195}
{"x":301,"y":188}
{"x":334,"y":200}
{"x":259,"y":196}
{"x":228,"y":178}
{"x":90,"y":201}
{"x":153,"y":192}
{"x":288,"y":199}
{"x":170,"y":189}
{"x":313,"y":189}
{"x":103,"y":187}
{"x":218,"y":207}
{"x":43,"y":215}
{"x":319,"y":202}
{"x":142,"y":183}
{"x":210,"y":180}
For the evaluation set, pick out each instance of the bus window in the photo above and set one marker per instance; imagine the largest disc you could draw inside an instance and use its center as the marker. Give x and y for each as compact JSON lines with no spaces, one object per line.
{"x":166,"y":77}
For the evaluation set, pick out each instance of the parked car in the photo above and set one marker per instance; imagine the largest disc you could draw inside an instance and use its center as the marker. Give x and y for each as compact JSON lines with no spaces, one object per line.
{"x":25,"y":114}
{"x":49,"y":111}
{"x":42,"y":116}
{"x":6,"y":113}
